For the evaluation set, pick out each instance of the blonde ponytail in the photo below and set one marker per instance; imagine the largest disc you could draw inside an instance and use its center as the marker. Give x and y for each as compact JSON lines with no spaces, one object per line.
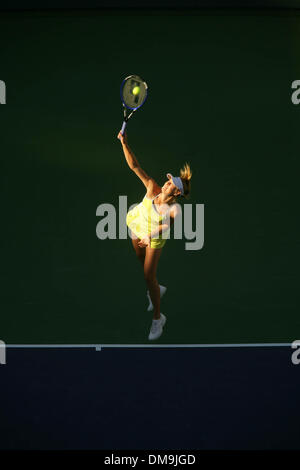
{"x":186,"y":175}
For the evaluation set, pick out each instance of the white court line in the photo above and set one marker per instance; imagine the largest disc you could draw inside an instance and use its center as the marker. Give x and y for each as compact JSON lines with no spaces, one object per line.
{"x":102,"y":346}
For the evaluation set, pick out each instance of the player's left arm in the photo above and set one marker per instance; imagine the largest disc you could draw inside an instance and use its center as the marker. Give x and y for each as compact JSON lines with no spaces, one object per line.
{"x":161,"y":228}
{"x":174,"y":213}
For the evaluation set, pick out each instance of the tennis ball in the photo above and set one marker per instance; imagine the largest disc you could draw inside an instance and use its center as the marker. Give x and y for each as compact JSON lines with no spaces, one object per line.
{"x":136,"y":90}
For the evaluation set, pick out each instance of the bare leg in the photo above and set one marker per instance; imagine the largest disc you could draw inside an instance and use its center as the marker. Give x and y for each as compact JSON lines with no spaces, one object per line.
{"x":140,"y":252}
{"x":150,"y":267}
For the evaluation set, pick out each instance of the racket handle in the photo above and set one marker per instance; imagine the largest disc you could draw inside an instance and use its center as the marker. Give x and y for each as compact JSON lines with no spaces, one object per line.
{"x":123,"y":127}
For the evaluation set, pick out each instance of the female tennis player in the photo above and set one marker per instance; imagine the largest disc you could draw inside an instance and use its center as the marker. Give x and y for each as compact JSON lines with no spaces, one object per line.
{"x":150,"y":223}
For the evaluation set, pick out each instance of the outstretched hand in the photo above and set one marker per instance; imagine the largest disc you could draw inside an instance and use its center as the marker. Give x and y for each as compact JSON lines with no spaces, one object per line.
{"x":122,"y":137}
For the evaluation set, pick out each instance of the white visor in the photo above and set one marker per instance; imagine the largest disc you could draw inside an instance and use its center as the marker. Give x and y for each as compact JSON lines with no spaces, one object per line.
{"x":177,"y":181}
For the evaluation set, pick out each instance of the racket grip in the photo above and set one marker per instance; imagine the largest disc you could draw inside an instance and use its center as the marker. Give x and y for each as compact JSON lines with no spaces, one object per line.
{"x":123,"y":127}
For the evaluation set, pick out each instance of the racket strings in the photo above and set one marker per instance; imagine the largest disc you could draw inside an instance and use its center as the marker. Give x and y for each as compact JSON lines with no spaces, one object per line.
{"x":130,"y":99}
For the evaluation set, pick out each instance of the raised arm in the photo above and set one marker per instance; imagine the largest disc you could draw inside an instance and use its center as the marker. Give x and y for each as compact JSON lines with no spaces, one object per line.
{"x":134,"y":165}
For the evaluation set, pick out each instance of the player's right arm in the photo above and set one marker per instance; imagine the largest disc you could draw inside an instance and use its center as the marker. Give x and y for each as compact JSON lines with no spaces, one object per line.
{"x":134,"y":165}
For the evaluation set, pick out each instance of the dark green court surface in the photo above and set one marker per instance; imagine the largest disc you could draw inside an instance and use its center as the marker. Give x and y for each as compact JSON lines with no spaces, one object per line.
{"x":219,"y":98}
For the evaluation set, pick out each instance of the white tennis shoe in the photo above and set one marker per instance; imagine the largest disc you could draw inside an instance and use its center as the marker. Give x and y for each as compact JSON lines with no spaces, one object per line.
{"x":162,"y":292}
{"x":157,"y":327}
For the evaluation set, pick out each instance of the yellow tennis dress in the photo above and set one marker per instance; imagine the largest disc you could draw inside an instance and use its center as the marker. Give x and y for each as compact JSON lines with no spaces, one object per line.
{"x":144,"y":218}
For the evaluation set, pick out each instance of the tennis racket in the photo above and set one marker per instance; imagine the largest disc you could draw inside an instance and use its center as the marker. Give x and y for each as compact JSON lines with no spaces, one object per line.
{"x":134,"y":92}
